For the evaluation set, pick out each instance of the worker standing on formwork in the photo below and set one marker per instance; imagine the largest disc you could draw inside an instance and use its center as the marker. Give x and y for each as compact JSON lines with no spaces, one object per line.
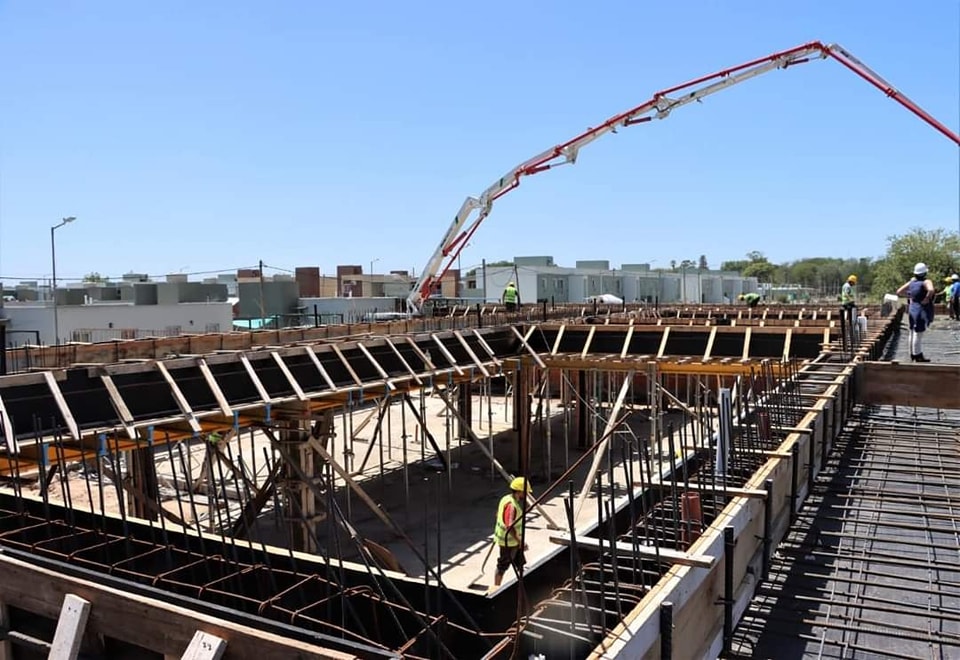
{"x":919,"y":292}
{"x":848,"y":295}
{"x":508,"y":532}
{"x":511,"y":297}
{"x":953,"y":300}
{"x":752,"y":299}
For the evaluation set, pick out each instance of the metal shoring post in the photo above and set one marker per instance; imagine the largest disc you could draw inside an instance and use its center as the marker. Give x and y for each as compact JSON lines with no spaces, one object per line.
{"x":389,"y":415}
{"x":406,"y":461}
{"x":549,"y":424}
{"x":448,"y":423}
{"x":423,"y":423}
{"x":489,"y":382}
{"x":348,"y":500}
{"x":566,"y":399}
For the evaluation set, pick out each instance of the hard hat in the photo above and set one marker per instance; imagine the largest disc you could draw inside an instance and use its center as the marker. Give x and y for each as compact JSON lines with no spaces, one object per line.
{"x":741,"y":296}
{"x":510,"y":284}
{"x":920,"y":269}
{"x":520,"y":484}
{"x":852,"y":278}
{"x":955,"y":277}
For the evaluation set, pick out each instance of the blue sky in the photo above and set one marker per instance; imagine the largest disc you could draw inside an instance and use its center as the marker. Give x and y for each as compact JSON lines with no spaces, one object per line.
{"x":204,"y":136}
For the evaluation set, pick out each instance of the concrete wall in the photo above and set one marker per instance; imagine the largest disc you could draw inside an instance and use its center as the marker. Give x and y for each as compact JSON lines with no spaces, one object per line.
{"x":279,"y":299}
{"x":109,"y":320}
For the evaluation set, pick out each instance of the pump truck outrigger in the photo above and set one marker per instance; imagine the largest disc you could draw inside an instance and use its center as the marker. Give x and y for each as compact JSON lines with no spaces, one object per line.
{"x":465,"y":223}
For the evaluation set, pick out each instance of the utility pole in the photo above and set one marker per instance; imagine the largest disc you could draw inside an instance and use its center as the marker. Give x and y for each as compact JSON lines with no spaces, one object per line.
{"x":263,"y":315}
{"x":483,"y":265}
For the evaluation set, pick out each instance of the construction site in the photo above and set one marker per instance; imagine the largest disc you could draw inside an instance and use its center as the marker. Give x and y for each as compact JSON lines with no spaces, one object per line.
{"x":706,"y":481}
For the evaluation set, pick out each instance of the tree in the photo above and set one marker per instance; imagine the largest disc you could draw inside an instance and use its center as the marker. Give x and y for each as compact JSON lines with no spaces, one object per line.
{"x":702,"y":265}
{"x":938,"y":248}
{"x":673,"y":264}
{"x":94,"y":278}
{"x":762,"y":269}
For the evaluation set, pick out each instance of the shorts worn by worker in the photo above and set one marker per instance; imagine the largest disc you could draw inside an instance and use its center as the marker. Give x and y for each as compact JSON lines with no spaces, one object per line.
{"x":511,"y":306}
{"x":510,"y":555}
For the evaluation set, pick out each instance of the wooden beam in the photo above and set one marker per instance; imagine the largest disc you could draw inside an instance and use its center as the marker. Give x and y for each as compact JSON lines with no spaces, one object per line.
{"x":589,"y":340}
{"x":746,"y":343}
{"x":62,"y":405}
{"x":146,"y":622}
{"x":556,"y":342}
{"x":403,"y":361}
{"x":119,"y":405}
{"x":663,"y":341}
{"x":346,"y":364}
{"x":178,"y":396}
{"x":923,"y":385}
{"x":285,"y":370}
{"x":473,"y":356}
{"x":420,"y":354}
{"x":529,"y":349}
{"x":205,"y":646}
{"x":486,"y":347}
{"x":10,"y":440}
{"x":261,"y":390}
{"x":320,"y":368}
{"x":666,"y":555}
{"x":447,"y":354}
{"x":214,"y":386}
{"x":626,"y":340}
{"x":70,"y":628}
{"x":786,"y":344}
{"x":713,"y":336}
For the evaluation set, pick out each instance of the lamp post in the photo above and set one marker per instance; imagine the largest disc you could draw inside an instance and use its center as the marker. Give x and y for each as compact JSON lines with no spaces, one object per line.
{"x":53,"y":258}
{"x":372,"y":261}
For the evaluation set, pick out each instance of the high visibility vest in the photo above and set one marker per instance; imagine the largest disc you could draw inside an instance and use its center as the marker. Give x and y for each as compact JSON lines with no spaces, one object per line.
{"x":510,"y":294}
{"x":846,"y":293}
{"x":500,"y":531}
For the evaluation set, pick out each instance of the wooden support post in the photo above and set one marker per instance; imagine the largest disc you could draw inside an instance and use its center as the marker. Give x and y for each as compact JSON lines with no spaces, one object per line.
{"x":465,"y":408}
{"x":205,"y":646}
{"x":583,"y":414}
{"x":301,"y":503}
{"x":142,"y":471}
{"x":6,"y":650}
{"x":70,"y":627}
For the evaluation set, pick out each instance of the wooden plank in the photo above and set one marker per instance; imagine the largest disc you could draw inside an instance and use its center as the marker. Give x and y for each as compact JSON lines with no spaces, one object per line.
{"x":297,"y":390}
{"x":62,"y":405}
{"x":403,"y":361}
{"x":10,"y":440}
{"x":346,"y":364}
{"x":205,"y":646}
{"x":666,"y":555}
{"x":119,"y":405}
{"x":473,"y":356}
{"x":556,"y":342}
{"x":746,"y":343}
{"x":663,"y":341}
{"x":214,"y":386}
{"x":786,"y":344}
{"x":376,"y":365}
{"x":627,"y":339}
{"x":70,"y":628}
{"x":420,"y":354}
{"x":146,"y":622}
{"x":713,"y":337}
{"x":589,"y":340}
{"x":178,"y":396}
{"x":320,"y":368}
{"x":486,"y":347}
{"x":923,"y":385}
{"x":447,"y":354}
{"x":529,"y":349}
{"x":6,"y":649}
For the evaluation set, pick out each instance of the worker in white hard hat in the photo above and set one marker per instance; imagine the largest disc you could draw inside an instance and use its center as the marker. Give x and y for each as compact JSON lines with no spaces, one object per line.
{"x":508,"y":532}
{"x":511,"y":297}
{"x":953,"y":300}
{"x":919,"y":292}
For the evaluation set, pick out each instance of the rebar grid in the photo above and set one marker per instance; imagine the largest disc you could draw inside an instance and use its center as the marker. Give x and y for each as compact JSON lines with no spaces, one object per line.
{"x":872,"y":566}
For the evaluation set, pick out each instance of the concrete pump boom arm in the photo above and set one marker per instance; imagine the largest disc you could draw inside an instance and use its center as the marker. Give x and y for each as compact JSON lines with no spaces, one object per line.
{"x":465,"y":222}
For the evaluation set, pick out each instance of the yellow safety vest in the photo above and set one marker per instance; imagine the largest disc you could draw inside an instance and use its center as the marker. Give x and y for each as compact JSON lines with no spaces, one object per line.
{"x":500,"y":531}
{"x":510,"y":294}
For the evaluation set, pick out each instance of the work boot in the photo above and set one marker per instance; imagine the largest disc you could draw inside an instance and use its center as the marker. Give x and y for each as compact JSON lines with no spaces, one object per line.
{"x":919,"y":358}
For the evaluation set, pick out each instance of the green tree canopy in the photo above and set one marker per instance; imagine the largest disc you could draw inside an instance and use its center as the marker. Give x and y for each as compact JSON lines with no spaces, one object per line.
{"x":938,"y":248}
{"x":94,"y":278}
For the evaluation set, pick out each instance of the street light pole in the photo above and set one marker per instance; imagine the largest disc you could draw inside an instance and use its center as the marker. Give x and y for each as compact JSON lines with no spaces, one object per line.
{"x":53,"y":258}
{"x":372,"y":261}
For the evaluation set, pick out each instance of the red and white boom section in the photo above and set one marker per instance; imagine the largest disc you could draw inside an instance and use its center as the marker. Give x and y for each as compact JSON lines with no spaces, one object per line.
{"x":466,"y":222}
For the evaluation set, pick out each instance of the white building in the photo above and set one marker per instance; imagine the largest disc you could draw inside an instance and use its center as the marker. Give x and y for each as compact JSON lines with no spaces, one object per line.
{"x":103,"y":321}
{"x":539,"y":279}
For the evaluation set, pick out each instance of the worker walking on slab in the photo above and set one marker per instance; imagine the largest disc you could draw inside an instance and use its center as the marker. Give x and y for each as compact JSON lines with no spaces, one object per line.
{"x":919,"y":292}
{"x":511,"y":297}
{"x":752,"y":299}
{"x":508,"y":533}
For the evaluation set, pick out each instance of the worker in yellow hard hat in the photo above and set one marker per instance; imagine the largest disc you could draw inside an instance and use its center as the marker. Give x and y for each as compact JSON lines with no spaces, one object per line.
{"x":508,"y":532}
{"x":752,"y":299}
{"x":848,"y":294}
{"x":511,"y":297}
